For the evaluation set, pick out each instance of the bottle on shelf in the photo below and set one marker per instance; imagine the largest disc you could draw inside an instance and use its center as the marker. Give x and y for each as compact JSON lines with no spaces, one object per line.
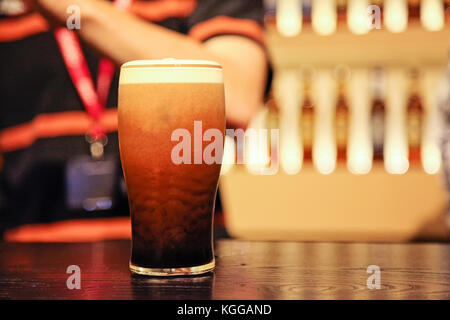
{"x":342,"y":114}
{"x":378,"y":113}
{"x":414,"y":8}
{"x":414,"y":118}
{"x":307,"y":121}
{"x":272,"y":123}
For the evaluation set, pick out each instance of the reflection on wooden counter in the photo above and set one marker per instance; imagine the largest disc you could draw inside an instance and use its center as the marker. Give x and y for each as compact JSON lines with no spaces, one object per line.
{"x":245,"y":270}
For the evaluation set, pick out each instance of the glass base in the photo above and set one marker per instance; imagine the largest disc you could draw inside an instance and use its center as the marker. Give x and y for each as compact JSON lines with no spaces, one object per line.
{"x":168,"y":272}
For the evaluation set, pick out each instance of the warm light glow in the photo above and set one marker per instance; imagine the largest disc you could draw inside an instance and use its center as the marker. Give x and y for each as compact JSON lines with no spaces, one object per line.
{"x":396,"y":15}
{"x":360,"y":150}
{"x":290,"y":98}
{"x":325,"y":163}
{"x":357,"y":16}
{"x":324,"y":16}
{"x":433,"y":122}
{"x":291,"y":159}
{"x":289,"y":17}
{"x":432,"y":14}
{"x":431,"y":158}
{"x":359,"y":162}
{"x":396,"y":142}
{"x":229,"y":155}
{"x":396,"y":164}
{"x":256,"y":145}
{"x":324,"y":147}
{"x":255,"y":157}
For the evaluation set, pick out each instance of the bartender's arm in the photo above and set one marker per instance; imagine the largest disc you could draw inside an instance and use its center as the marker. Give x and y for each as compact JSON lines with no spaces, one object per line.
{"x":123,"y":37}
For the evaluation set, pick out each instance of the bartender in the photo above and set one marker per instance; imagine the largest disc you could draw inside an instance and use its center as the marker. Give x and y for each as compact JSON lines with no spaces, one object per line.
{"x":45,"y":141}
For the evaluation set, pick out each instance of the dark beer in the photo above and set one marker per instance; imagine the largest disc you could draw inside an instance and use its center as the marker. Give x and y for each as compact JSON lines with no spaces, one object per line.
{"x":171,"y":204}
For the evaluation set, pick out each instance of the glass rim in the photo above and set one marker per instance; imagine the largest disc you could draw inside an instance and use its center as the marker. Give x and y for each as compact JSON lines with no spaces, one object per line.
{"x":172,"y":63}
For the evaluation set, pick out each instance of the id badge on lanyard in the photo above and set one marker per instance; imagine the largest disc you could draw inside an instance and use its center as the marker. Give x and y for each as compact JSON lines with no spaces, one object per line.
{"x":90,"y":179}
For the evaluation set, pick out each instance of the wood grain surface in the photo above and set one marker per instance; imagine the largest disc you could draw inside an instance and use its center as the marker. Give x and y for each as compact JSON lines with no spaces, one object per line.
{"x":245,"y":270}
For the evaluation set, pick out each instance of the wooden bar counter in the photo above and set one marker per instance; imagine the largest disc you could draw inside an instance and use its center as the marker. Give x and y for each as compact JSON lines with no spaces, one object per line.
{"x":245,"y":270}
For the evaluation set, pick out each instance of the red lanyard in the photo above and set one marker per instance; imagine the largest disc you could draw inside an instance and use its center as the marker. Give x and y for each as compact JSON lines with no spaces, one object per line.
{"x":94,"y":100}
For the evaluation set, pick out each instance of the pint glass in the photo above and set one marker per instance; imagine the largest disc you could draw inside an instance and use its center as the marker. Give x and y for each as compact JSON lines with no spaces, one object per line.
{"x":165,"y":106}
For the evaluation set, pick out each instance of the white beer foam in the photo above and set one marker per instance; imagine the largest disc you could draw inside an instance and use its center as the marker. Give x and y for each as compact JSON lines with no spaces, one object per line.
{"x":171,"y":71}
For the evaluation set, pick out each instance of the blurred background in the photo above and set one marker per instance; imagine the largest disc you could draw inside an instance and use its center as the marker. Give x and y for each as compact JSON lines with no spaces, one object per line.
{"x":356,"y":95}
{"x":359,"y":97}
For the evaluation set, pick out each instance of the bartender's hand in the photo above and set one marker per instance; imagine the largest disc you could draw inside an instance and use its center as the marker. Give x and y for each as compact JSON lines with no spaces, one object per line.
{"x":122,"y":36}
